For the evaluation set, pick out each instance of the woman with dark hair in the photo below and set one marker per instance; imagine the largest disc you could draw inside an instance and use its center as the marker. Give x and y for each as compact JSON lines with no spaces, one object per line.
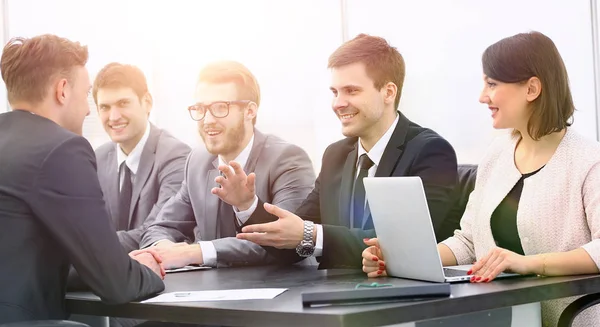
{"x":535,"y":208}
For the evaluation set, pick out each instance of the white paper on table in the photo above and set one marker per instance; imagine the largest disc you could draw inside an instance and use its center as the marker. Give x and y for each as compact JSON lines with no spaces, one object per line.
{"x":221,"y":295}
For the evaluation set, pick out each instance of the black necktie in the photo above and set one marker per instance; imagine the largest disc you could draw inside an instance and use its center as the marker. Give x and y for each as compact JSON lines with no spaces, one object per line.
{"x":227,"y":219}
{"x":358,"y":198}
{"x":125,"y":198}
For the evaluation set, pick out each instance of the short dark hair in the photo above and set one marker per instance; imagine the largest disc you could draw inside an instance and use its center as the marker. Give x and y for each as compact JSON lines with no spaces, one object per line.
{"x":116,"y":75}
{"x":516,"y":59}
{"x":29,"y":64}
{"x":382,"y":61}
{"x":228,"y":71}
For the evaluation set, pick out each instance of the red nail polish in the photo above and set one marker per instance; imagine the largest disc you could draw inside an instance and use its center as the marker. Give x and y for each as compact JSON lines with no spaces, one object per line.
{"x":469,"y":272}
{"x":486,"y":280}
{"x":479,"y":278}
{"x":381,"y":264}
{"x":379,"y":272}
{"x":375,"y":259}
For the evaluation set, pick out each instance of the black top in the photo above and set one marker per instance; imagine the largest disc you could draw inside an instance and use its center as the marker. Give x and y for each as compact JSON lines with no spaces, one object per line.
{"x":52,"y":216}
{"x":504,"y":218}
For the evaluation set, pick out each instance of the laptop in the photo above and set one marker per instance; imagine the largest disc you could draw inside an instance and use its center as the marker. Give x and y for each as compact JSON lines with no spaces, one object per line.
{"x":405,"y":232}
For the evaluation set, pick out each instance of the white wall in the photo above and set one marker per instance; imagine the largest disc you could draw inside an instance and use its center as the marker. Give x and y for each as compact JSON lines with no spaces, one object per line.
{"x":287,"y":43}
{"x":113,"y":30}
{"x":442,"y":43}
{"x":284,"y":43}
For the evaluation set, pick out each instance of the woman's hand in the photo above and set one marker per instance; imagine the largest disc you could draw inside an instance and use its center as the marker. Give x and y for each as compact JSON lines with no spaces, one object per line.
{"x":373,"y":263}
{"x":499,"y":260}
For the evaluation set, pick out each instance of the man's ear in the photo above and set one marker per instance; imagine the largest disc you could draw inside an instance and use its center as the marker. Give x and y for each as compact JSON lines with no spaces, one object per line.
{"x":389,"y":91}
{"x":62,"y":90}
{"x":251,"y":110}
{"x":147,"y":102}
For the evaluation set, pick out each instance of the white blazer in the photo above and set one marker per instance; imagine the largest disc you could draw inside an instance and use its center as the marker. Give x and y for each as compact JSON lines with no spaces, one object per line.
{"x":559,"y":209}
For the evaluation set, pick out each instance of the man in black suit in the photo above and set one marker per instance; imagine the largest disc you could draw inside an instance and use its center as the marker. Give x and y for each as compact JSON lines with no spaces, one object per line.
{"x":52,"y":214}
{"x":367,"y":78}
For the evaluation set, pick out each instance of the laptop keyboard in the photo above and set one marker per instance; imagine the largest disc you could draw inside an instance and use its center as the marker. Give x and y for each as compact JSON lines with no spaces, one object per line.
{"x":449,"y":272}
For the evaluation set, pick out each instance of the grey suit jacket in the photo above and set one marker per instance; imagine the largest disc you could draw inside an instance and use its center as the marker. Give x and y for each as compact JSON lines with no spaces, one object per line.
{"x":158,"y":178}
{"x":284,"y":177}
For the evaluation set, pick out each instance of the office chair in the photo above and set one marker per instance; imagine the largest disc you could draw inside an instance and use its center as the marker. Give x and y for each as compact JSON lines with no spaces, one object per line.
{"x":572,"y":310}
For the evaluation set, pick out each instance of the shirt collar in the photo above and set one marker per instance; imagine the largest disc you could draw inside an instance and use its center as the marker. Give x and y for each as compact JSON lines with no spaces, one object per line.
{"x":377,"y":151}
{"x":242,"y":158}
{"x":133,"y":159}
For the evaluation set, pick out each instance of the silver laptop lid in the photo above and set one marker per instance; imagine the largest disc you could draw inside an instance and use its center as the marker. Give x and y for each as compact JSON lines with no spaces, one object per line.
{"x":403,"y":225}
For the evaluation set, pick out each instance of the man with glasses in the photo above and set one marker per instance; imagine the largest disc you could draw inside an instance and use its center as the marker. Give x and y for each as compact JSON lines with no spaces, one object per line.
{"x":227,"y":101}
{"x":142,"y":166}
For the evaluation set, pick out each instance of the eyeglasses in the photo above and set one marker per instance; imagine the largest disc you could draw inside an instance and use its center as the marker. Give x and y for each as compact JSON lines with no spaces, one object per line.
{"x":218,"y":109}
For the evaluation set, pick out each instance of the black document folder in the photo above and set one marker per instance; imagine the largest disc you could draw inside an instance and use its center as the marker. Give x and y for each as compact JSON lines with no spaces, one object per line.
{"x":375,"y":295}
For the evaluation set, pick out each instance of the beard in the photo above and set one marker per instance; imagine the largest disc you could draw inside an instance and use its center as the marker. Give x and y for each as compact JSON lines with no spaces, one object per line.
{"x":227,"y":142}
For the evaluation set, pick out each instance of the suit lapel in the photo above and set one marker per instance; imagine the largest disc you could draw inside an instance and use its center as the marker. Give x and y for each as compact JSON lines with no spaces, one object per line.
{"x":346,"y":186}
{"x":111,"y":177}
{"x":144,"y":169}
{"x":391,"y":155}
{"x":394,"y":149}
{"x":257,"y":147}
{"x":211,"y":205}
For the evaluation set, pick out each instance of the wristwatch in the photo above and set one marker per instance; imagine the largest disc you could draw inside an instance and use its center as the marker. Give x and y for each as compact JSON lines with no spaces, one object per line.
{"x":306,"y":248}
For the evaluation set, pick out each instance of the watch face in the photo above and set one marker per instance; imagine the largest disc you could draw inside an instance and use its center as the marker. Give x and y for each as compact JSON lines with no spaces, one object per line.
{"x":305,"y":250}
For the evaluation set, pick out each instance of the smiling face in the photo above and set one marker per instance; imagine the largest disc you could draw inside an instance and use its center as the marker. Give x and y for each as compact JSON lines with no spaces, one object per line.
{"x":223,"y":136}
{"x":124,"y":115}
{"x":507,"y":103}
{"x":356,"y":102}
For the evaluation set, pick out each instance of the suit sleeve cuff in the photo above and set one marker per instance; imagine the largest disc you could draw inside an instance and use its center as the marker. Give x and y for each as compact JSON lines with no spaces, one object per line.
{"x":319,"y":246}
{"x":154,"y":244}
{"x":209,"y":253}
{"x":243,"y":216}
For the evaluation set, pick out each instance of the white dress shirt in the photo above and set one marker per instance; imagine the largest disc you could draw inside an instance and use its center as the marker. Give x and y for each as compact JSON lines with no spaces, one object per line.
{"x":375,"y":155}
{"x":209,"y":253}
{"x":133,"y":159}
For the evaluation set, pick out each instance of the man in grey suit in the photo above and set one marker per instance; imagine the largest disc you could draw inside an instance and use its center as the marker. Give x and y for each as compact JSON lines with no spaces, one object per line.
{"x":227,"y":100}
{"x":143,"y":165}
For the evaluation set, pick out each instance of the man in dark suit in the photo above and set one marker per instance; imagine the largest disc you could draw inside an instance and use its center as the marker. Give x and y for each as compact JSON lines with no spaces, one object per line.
{"x":227,"y":101}
{"x":367,"y":78}
{"x":52,"y":214}
{"x":151,"y":158}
